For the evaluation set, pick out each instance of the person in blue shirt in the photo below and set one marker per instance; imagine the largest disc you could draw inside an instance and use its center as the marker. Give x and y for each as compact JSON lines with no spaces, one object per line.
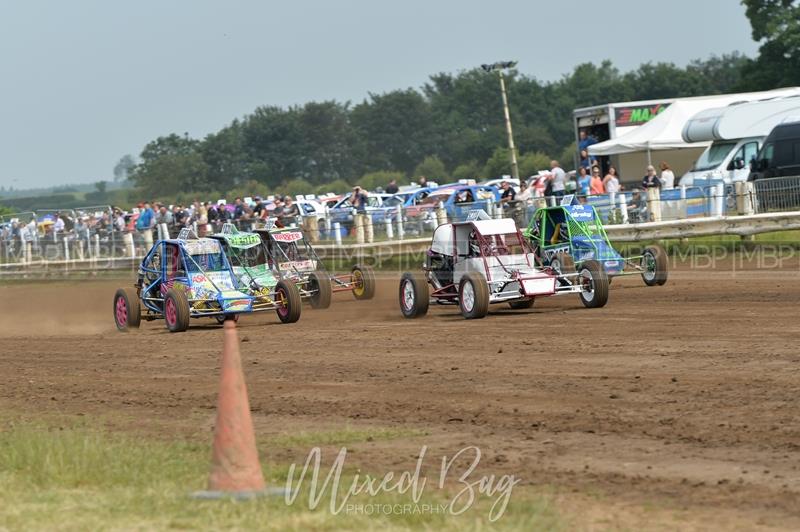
{"x":584,"y":182}
{"x":145,"y":220}
{"x":587,"y":161}
{"x":584,"y":141}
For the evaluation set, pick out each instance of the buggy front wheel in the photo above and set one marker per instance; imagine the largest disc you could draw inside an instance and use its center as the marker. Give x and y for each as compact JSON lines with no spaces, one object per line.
{"x":473,"y":296}
{"x":287,"y":298}
{"x":414,"y":295}
{"x":654,"y":265}
{"x":176,"y":310}
{"x":594,"y":284}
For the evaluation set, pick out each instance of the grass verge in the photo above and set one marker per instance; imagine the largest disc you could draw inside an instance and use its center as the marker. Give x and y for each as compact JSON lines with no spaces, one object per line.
{"x":78,"y":477}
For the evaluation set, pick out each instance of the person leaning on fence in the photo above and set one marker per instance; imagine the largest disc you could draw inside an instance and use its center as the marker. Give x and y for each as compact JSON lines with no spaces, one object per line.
{"x":508,"y":195}
{"x":596,"y":184}
{"x":637,"y":207}
{"x":146,"y":218}
{"x":584,"y":182}
{"x":650,"y":179}
{"x":667,"y":177}
{"x":611,"y":181}
{"x":163,"y":216}
{"x":119,"y":220}
{"x":290,"y":212}
{"x":558,"y":179}
{"x":392,"y":187}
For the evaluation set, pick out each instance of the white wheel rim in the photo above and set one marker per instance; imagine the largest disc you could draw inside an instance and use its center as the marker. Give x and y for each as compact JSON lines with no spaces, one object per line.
{"x":468,"y":296}
{"x":588,"y":285}
{"x":408,"y":295}
{"x":556,"y":265}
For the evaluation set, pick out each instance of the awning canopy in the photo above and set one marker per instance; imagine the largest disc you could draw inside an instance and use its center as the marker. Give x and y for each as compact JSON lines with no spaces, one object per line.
{"x":664,"y":131}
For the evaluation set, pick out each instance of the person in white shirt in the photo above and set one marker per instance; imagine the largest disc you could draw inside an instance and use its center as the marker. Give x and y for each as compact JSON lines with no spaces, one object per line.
{"x":667,"y":177}
{"x":611,"y":180}
{"x":558,"y":179}
{"x":58,"y":226}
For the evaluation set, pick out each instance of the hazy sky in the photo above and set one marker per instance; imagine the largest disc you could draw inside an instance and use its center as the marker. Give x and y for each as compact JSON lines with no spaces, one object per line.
{"x":84,"y":82}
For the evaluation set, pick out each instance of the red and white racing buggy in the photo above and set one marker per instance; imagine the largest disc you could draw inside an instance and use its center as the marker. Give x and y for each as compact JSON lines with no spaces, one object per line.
{"x":482,"y":261}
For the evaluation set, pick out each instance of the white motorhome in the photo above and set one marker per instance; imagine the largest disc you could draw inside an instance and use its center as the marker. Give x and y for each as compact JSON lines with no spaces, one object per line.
{"x":736,"y":133}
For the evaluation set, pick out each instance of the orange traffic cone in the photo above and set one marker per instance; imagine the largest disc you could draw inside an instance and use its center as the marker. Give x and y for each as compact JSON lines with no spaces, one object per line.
{"x":235,"y":469}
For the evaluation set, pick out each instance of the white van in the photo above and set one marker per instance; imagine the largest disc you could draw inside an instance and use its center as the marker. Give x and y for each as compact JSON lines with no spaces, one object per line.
{"x":728,"y":160}
{"x":737,"y":132}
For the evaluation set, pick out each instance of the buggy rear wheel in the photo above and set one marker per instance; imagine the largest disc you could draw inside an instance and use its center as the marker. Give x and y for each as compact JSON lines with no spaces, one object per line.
{"x":319,"y":284}
{"x":414,"y":295}
{"x":473,"y":296}
{"x":287,"y":297}
{"x":127,"y":309}
{"x":521,"y":304}
{"x":594,"y":284}
{"x":176,"y":310}
{"x":363,"y":279}
{"x":654,"y":265}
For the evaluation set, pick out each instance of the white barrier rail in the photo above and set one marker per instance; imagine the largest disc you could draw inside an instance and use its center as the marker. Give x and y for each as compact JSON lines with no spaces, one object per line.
{"x":742,"y":226}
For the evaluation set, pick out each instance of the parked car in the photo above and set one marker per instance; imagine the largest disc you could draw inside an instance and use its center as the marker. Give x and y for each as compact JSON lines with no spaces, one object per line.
{"x":343,"y":211}
{"x":457,"y":201}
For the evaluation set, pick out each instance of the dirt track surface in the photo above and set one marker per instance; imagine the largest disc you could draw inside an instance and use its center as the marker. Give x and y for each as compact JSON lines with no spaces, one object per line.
{"x":685,"y":396}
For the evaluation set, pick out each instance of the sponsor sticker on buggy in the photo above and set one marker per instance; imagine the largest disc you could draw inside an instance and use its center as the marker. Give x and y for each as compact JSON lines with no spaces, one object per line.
{"x":243,"y":240}
{"x":207,"y":280}
{"x":580,"y":213}
{"x":202,"y":246}
{"x":539,"y":286}
{"x":235,"y":305}
{"x":289,"y":236}
{"x":298,"y":265}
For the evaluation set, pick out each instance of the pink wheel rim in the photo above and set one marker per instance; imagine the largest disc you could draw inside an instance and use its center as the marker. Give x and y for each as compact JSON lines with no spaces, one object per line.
{"x":283,"y":310}
{"x":171,"y":313}
{"x":122,"y":312}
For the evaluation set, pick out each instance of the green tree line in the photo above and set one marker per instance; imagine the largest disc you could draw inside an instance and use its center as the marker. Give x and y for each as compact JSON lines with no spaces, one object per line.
{"x":452,"y":127}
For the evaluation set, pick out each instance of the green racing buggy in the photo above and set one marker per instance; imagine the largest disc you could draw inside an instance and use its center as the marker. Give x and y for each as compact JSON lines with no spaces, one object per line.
{"x":565,"y":236}
{"x":266,"y":256}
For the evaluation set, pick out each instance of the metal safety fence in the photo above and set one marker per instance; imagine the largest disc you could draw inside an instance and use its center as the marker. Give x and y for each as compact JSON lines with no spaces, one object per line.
{"x":96,"y":232}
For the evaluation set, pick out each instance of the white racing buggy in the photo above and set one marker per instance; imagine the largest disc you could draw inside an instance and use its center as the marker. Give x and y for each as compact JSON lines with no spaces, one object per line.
{"x":482,"y":261}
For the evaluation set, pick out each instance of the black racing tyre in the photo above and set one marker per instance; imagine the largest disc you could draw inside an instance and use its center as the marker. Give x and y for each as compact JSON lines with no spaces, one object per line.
{"x":127,"y":309}
{"x":176,"y":310}
{"x":222,"y":317}
{"x":287,"y":297}
{"x":594,"y":281}
{"x":363,"y":278}
{"x":562,"y":262}
{"x":414,"y":295}
{"x":521,"y":304}
{"x":473,"y":296}
{"x":654,"y":265}
{"x":319,"y":284}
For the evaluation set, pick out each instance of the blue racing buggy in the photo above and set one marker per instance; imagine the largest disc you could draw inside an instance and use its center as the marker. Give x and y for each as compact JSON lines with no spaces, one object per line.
{"x":565,"y":236}
{"x":190,"y":277}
